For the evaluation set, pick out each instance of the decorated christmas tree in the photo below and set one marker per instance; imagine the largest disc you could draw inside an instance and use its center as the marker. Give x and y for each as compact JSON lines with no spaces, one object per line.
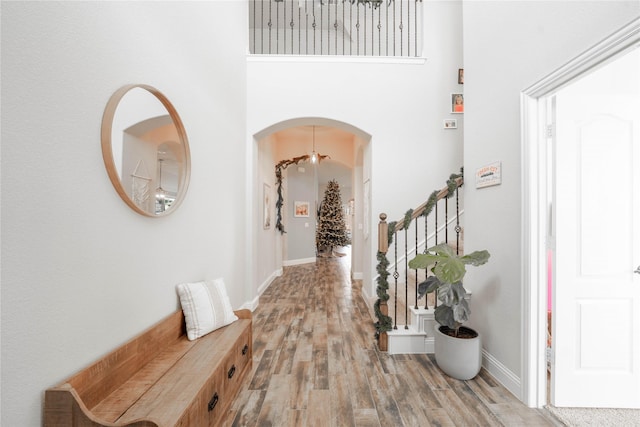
{"x":331,"y":231}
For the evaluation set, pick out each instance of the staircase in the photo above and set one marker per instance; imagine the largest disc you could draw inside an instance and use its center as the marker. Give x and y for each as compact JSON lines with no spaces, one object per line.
{"x":405,"y":324}
{"x":417,"y":338}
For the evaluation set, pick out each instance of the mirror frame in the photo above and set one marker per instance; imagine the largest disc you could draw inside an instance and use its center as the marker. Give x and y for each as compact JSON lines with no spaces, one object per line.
{"x":107,"y":148}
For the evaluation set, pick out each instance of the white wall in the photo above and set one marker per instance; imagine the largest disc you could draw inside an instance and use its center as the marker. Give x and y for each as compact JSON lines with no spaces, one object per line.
{"x":400,"y":105}
{"x":266,"y":239}
{"x":508,"y":46}
{"x":81,"y":272}
{"x":301,"y":231}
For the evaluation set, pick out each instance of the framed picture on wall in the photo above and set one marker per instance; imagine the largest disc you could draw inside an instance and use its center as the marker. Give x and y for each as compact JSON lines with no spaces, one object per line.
{"x":450,"y":124}
{"x":366,"y":197}
{"x":266,"y":207}
{"x":457,"y":103}
{"x":300,"y":209}
{"x":460,"y":76}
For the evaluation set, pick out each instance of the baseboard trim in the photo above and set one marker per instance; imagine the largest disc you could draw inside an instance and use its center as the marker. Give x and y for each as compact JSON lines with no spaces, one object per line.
{"x":251,"y":305}
{"x":291,"y":262}
{"x":268,"y":281}
{"x":502,"y":374}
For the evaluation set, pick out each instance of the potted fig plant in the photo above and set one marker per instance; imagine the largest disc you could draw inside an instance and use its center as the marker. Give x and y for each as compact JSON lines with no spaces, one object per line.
{"x":458,"y":349}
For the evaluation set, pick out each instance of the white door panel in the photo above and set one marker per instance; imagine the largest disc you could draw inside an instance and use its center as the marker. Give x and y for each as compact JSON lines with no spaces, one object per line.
{"x":596,"y":323}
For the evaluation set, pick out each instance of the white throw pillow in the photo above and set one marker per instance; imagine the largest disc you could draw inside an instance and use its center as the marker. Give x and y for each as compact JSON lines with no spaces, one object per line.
{"x":206,"y":307}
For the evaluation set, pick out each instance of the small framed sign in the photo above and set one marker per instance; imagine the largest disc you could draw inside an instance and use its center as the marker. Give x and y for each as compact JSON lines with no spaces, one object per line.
{"x":489,"y":175}
{"x":450,"y":124}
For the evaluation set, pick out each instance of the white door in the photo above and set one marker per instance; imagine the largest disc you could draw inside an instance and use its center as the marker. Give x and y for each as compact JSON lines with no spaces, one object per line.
{"x":596,"y":294}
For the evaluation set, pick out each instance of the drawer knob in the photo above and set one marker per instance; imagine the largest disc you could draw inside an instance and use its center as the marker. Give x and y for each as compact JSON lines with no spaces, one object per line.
{"x":231,"y":371}
{"x":245,"y":349}
{"x":213,"y":402}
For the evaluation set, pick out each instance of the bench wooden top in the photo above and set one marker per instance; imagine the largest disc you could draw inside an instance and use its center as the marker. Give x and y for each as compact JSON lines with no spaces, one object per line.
{"x":151,"y":373}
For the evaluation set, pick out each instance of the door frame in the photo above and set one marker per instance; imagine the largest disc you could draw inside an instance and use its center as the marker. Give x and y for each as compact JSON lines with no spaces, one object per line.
{"x":535,"y":222}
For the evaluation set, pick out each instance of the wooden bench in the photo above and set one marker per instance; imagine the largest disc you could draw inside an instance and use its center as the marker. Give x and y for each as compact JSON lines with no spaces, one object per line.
{"x":158,"y":378}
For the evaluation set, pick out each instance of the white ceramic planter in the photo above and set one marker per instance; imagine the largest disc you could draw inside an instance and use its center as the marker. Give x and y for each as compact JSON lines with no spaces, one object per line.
{"x":460,"y":358}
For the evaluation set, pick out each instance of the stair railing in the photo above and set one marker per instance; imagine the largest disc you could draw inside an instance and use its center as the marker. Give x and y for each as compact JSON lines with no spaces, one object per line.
{"x":389,"y":233}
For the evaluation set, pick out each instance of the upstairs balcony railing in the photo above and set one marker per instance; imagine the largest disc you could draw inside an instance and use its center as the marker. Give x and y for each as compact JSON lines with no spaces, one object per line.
{"x":378,"y":28}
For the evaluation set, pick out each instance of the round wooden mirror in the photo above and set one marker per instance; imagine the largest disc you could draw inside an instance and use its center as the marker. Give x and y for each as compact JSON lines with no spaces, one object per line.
{"x":145,"y":150}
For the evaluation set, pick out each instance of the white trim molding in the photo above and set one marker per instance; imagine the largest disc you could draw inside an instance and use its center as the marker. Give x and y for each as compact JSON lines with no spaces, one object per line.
{"x":290,"y":262}
{"x":502,"y":374}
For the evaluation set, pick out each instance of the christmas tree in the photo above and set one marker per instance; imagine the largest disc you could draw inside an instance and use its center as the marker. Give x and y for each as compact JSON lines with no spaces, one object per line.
{"x":331,"y":230}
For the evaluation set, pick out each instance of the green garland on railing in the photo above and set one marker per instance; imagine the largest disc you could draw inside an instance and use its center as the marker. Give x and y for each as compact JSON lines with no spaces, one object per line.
{"x":391,"y":231}
{"x":384,"y":322}
{"x":407,"y":220}
{"x":452,"y":184}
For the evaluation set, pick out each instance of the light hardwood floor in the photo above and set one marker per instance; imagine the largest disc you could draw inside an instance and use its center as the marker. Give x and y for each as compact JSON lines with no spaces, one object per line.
{"x":316,"y":363}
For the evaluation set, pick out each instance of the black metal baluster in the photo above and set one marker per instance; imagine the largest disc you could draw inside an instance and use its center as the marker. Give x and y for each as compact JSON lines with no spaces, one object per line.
{"x":416,"y":252}
{"x":394,"y":29}
{"x":426,"y":270}
{"x":387,"y":32}
{"x":379,"y":33}
{"x":300,"y":31}
{"x":406,"y":280}
{"x":395,"y":277}
{"x":415,"y":28}
{"x":458,"y":229}
{"x":351,"y":29}
{"x":313,"y":11}
{"x":358,"y":29}
{"x":321,"y":17}
{"x":435,"y":304}
{"x":401,"y":30}
{"x":335,"y":26}
{"x":343,"y":25}
{"x":446,"y":220}
{"x":292,"y":24}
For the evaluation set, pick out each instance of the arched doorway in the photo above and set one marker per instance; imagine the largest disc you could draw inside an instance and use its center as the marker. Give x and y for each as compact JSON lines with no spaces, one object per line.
{"x":345,"y":146}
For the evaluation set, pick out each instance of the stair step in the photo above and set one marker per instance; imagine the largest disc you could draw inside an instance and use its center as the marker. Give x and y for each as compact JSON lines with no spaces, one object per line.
{"x":409,"y":341}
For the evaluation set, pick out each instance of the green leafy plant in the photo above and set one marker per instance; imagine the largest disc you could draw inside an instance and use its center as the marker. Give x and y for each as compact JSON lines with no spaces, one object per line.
{"x":449,"y":269}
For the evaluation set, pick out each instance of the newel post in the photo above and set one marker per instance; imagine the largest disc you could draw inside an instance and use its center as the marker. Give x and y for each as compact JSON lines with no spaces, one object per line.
{"x":383,"y":247}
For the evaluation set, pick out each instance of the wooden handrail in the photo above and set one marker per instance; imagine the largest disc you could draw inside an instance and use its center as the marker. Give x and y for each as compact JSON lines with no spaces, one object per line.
{"x":444,"y":192}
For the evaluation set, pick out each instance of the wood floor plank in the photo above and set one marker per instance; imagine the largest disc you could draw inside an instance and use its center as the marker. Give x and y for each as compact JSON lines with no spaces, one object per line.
{"x":411,"y":408}
{"x":320,"y":370}
{"x":337,"y":362}
{"x":260,"y":380}
{"x":417,"y":385}
{"x":249,"y":408}
{"x":366,"y":418}
{"x":316,"y":363}
{"x":319,"y":409}
{"x":276,"y":404}
{"x":300,"y":384}
{"x":284,"y":363}
{"x":359,"y":385}
{"x":430,"y":372}
{"x":341,"y":407}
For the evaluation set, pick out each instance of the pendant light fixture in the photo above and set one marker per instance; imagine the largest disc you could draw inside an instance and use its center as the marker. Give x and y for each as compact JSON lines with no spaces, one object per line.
{"x":160,"y":192}
{"x":314,"y":155}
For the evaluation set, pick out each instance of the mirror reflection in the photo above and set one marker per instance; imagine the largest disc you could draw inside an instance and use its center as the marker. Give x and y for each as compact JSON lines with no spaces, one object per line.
{"x":145,"y":150}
